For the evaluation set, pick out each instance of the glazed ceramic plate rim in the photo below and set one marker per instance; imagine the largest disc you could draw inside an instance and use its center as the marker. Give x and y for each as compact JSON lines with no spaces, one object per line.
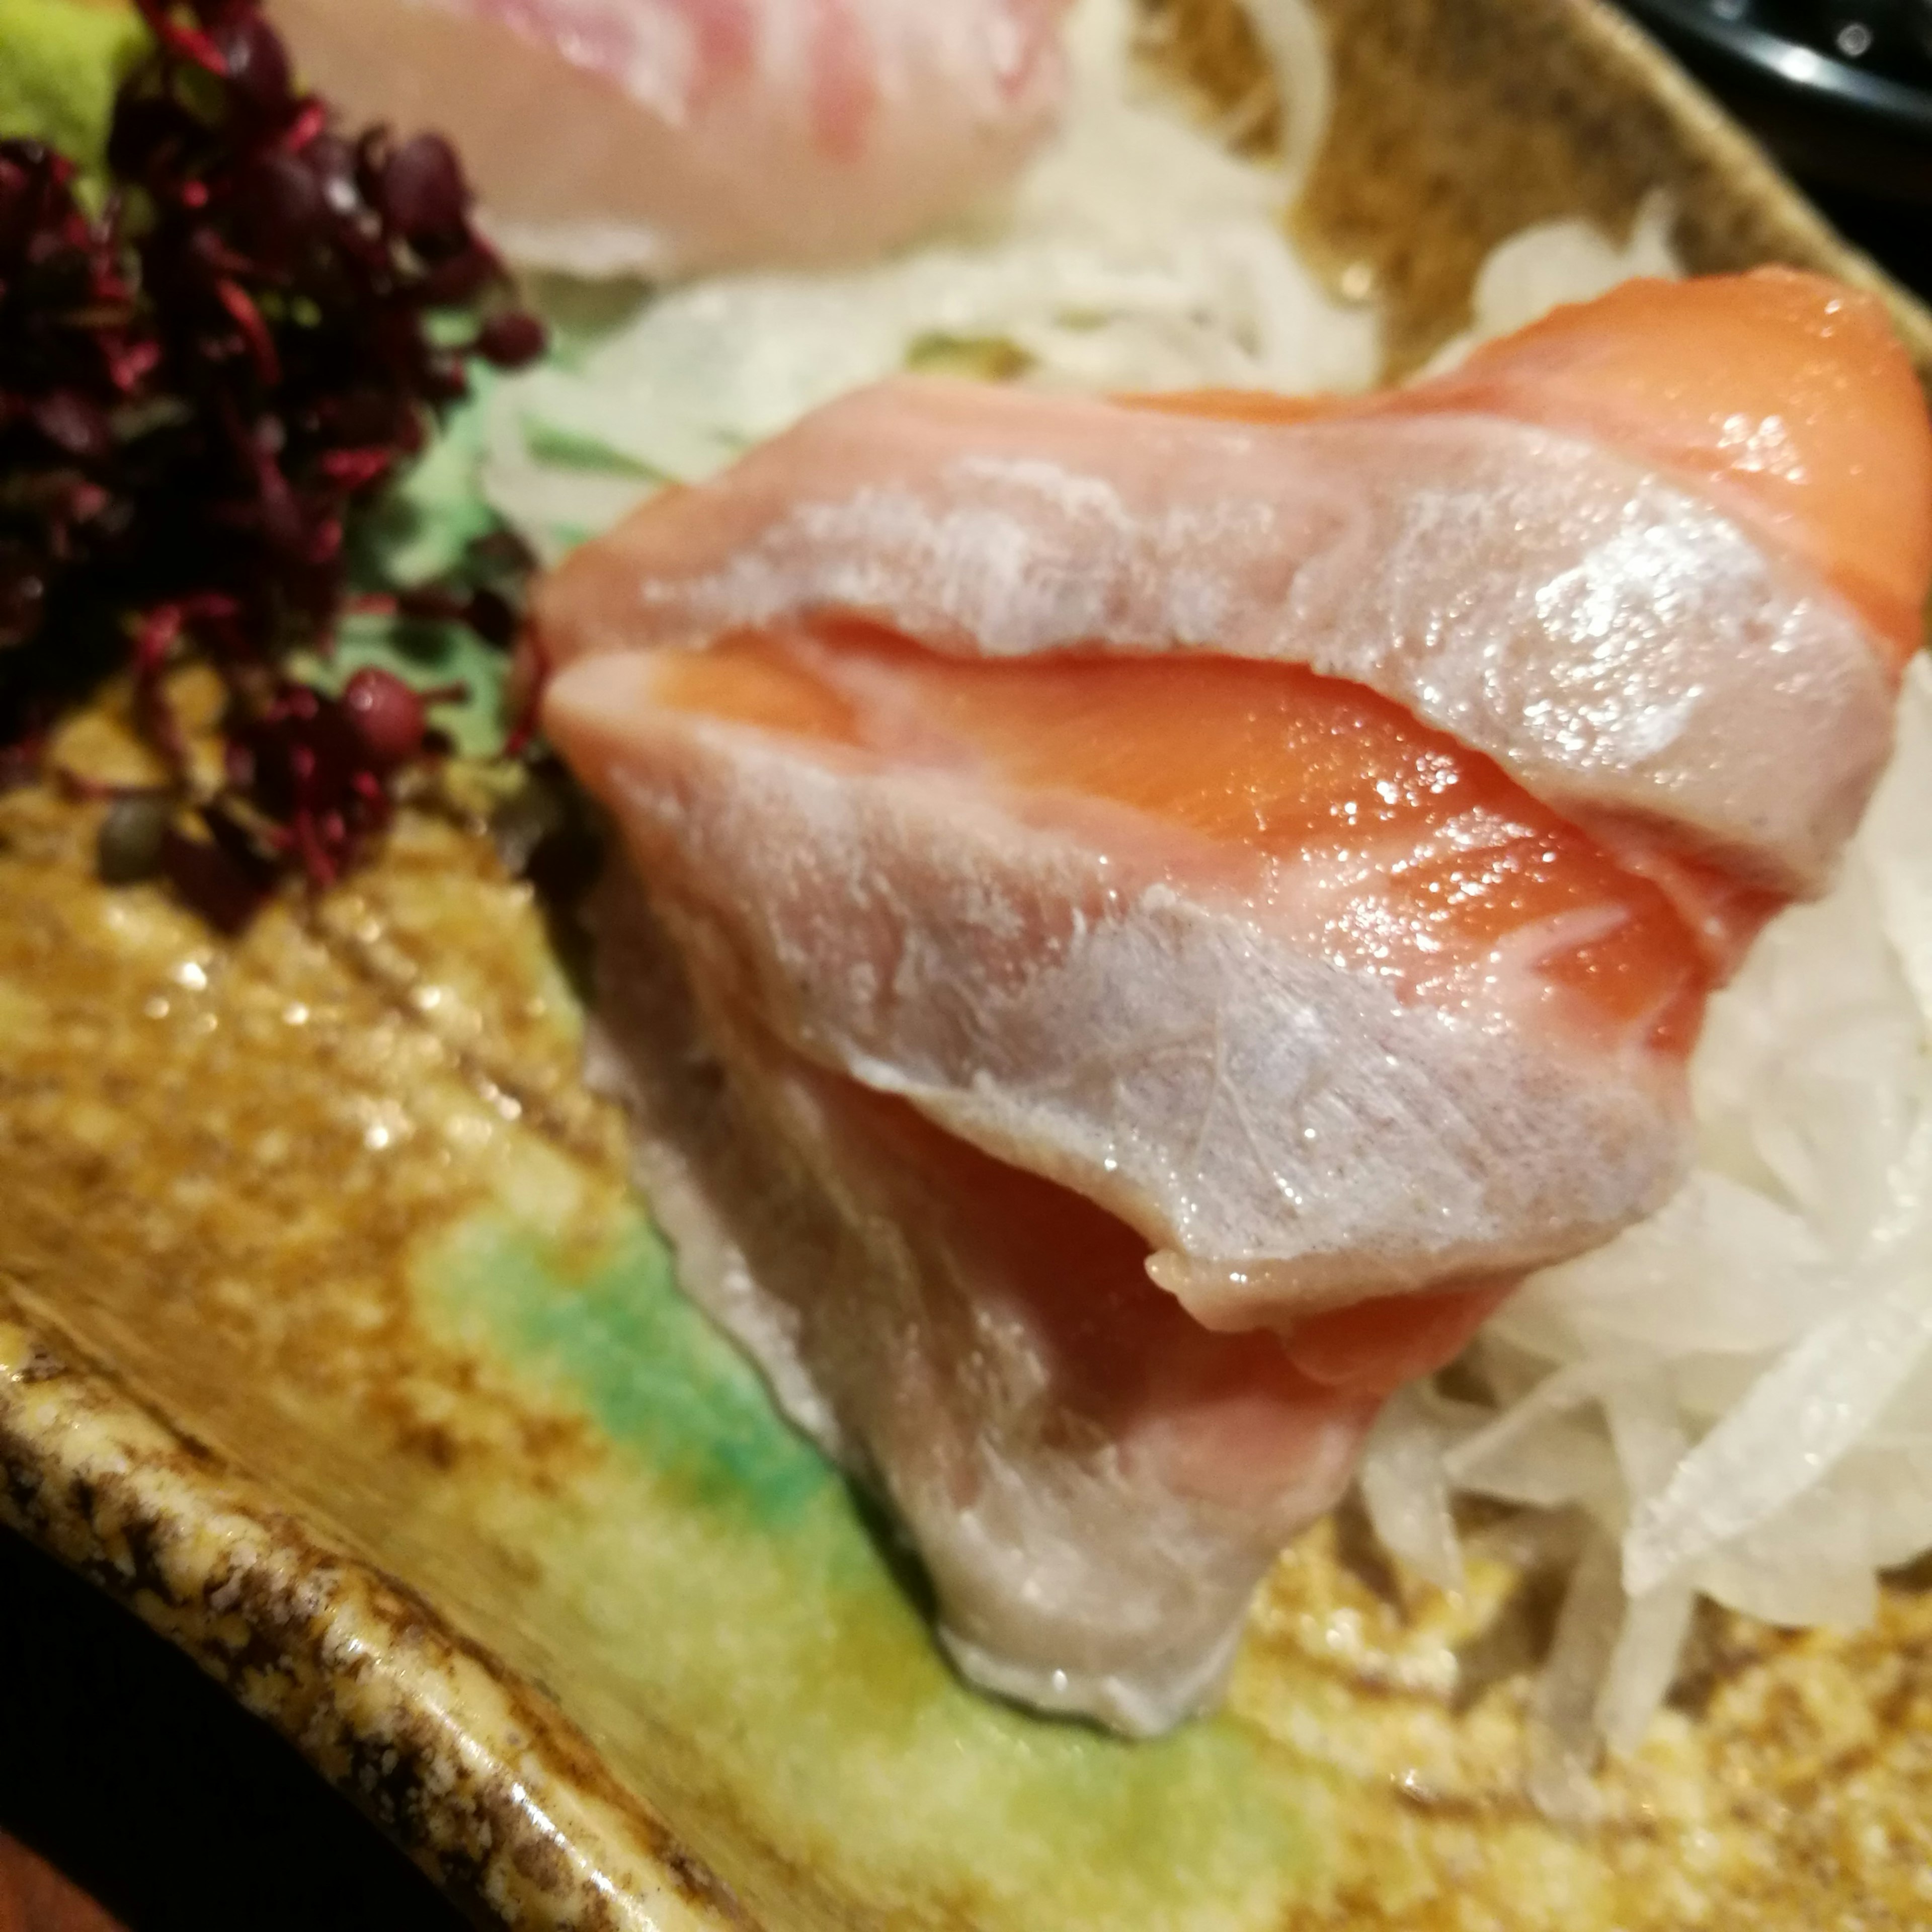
{"x":496,"y":1795}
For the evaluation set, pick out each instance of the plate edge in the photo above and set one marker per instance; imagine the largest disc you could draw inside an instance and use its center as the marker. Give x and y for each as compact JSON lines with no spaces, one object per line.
{"x":508,"y":1807}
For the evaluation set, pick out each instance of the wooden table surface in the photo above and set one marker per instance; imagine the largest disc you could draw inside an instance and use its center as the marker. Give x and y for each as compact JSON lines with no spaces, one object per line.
{"x":34,"y":1898}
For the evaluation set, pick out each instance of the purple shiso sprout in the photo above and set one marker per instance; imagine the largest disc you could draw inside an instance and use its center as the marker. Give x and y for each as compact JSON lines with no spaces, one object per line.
{"x":199,"y":386}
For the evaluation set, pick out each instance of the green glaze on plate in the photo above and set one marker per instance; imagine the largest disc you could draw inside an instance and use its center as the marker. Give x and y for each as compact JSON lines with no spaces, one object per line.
{"x":333,"y":1340}
{"x":796,"y":1638}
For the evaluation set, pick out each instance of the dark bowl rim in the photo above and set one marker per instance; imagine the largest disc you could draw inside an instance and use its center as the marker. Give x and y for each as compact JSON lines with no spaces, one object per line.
{"x":1799,"y":71}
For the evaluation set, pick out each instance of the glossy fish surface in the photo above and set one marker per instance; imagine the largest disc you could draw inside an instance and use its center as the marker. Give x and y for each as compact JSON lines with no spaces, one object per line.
{"x":1191,"y":897}
{"x":1224,"y":1005}
{"x":1637,"y":618}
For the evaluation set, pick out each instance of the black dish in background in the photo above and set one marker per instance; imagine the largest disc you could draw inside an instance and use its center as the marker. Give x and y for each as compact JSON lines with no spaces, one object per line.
{"x":1840,"y":91}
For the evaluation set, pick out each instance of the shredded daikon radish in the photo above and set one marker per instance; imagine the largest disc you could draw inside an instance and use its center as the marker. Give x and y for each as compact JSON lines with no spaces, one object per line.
{"x":1297,"y":50}
{"x":1406,"y":1485}
{"x":1739,"y":1390}
{"x":1138,"y":253}
{"x":1563,"y":1709}
{"x":1554,"y":262}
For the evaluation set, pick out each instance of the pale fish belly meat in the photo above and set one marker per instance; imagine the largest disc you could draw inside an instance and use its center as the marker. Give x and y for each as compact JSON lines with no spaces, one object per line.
{"x":1660,"y":623}
{"x":1093,"y":1481}
{"x":669,"y":136}
{"x":1103,"y":1007}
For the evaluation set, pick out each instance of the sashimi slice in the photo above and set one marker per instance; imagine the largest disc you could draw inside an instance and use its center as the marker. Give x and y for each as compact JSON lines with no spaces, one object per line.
{"x":1654,"y":635}
{"x":1176,"y":909}
{"x":1320,"y":1005}
{"x":1322,"y":806}
{"x":671,"y":136}
{"x":973,"y":1000}
{"x":1095,"y":1482}
{"x":1787,"y":397}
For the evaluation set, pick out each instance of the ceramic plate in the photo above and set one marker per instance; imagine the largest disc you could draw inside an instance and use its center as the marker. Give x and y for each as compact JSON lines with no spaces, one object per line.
{"x":334,"y":1342}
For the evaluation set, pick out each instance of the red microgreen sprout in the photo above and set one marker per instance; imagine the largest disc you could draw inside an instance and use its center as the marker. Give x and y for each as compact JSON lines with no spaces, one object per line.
{"x":198,"y":389}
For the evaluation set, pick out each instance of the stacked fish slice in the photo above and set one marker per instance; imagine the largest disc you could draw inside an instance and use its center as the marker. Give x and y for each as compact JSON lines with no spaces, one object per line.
{"x":1144,"y":923}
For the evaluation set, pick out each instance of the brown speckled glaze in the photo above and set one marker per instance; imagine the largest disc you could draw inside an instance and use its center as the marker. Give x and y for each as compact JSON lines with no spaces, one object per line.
{"x":226,"y":1407}
{"x":495,"y":1796}
{"x":1458,"y":121}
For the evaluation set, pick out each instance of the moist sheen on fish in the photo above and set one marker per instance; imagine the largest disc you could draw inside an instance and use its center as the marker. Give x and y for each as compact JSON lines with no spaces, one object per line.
{"x":1142,"y":920}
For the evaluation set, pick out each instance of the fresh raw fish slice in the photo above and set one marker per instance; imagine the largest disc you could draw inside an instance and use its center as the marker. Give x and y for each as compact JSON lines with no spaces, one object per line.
{"x":1682,"y":654}
{"x":671,"y":136}
{"x":1064,"y":944}
{"x":1786,"y":396}
{"x":1095,"y":1482}
{"x":1174,"y":955}
{"x":1319,"y":1004}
